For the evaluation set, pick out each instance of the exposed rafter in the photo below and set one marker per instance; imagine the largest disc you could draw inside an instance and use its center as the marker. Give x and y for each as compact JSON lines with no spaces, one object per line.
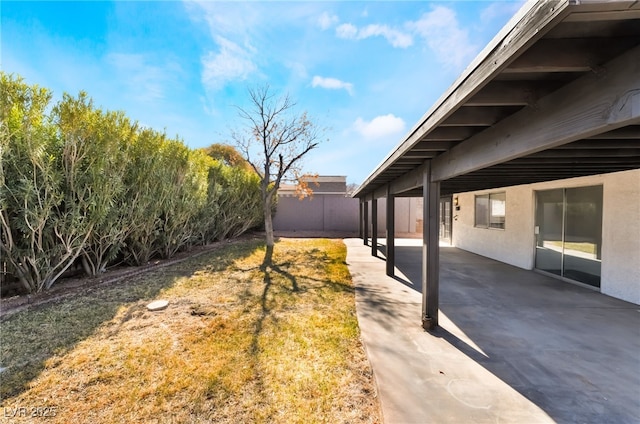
{"x":581,"y":109}
{"x":555,"y":95}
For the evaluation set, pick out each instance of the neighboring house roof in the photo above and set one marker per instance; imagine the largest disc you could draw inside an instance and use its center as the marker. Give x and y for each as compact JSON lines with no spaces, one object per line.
{"x":322,"y":184}
{"x":556,"y":94}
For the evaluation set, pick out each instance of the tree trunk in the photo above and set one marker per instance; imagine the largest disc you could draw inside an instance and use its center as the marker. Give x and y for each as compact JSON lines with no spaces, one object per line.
{"x":268,"y":229}
{"x":88,"y":266}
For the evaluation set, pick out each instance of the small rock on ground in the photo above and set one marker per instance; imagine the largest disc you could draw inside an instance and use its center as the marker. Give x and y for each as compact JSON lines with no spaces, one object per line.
{"x":158,"y":305}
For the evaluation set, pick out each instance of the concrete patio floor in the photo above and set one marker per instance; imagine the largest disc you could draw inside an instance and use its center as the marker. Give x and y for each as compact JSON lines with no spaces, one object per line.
{"x":513,"y":346}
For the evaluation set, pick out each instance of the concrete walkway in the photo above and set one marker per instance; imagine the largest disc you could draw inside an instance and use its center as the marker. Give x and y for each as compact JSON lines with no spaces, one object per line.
{"x":513,"y":346}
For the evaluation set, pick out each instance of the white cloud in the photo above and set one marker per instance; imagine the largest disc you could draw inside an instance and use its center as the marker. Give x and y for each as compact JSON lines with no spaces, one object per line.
{"x":231,"y":63}
{"x":231,"y":19}
{"x":379,"y":127}
{"x":298,"y":70}
{"x":326,"y":20}
{"x":332,"y":84}
{"x":144,"y":81}
{"x":232,"y":26}
{"x":393,"y":36}
{"x":445,"y":37}
{"x":439,"y":28}
{"x":347,"y":31}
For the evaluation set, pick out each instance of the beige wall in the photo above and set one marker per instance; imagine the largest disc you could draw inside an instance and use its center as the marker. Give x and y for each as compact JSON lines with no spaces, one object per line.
{"x":339,"y":213}
{"x":515,"y":244}
{"x":318,"y":213}
{"x":407,"y":211}
{"x":621,"y":236}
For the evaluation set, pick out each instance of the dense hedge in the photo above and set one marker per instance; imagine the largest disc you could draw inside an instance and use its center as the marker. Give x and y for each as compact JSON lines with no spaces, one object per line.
{"x":79,"y":185}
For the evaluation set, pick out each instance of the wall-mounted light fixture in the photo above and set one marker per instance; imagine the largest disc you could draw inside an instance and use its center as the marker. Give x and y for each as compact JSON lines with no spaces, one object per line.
{"x":456,"y":203}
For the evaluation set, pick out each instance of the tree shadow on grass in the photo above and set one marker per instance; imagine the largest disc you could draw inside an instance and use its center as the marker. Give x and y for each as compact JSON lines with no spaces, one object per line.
{"x":28,"y":339}
{"x":265,"y":310}
{"x":280,"y":284}
{"x":265,"y":313}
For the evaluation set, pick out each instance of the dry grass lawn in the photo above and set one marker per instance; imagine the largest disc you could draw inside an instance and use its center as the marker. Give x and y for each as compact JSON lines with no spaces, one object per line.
{"x":235,"y":345}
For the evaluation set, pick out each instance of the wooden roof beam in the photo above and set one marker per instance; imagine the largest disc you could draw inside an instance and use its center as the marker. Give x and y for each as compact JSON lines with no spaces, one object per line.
{"x":550,"y":163}
{"x":599,"y":144}
{"x":570,"y":55}
{"x":589,"y":11}
{"x":433,"y":146}
{"x":511,"y":93}
{"x":592,"y":153}
{"x":526,"y":27}
{"x":478,"y":116}
{"x":632,"y":132}
{"x":588,"y":106}
{"x":421,"y":155}
{"x":615,"y":15}
{"x":450,"y":134}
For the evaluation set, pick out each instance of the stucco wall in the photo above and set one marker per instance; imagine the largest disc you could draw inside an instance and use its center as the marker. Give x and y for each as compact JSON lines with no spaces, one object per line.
{"x":318,"y":213}
{"x":405,"y":217}
{"x":621,"y":236}
{"x":515,"y":244}
{"x":339,"y":213}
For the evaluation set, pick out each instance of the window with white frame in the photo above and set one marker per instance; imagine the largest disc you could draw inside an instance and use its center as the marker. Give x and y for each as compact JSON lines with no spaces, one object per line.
{"x":491,"y":210}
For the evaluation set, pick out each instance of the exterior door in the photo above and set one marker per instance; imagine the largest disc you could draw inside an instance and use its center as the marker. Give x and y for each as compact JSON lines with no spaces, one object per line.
{"x":569,"y":233}
{"x":445,"y":219}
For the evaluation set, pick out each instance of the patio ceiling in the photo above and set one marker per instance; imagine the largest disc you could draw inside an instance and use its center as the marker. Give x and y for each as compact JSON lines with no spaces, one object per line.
{"x":555,"y":95}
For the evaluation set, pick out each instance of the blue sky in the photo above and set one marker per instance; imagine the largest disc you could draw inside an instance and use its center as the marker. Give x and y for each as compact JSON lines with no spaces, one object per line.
{"x":365,"y":71}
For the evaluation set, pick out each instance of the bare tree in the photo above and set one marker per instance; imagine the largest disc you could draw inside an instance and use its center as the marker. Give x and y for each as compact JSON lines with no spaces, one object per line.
{"x":351,"y":188}
{"x":274,"y":141}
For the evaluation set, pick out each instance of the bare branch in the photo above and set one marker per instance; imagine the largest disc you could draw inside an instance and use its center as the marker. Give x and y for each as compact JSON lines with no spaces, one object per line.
{"x":274,"y":142}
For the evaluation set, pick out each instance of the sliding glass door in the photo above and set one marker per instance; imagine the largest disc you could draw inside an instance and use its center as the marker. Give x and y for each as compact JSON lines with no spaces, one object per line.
{"x":569,"y":233}
{"x":549,"y":230}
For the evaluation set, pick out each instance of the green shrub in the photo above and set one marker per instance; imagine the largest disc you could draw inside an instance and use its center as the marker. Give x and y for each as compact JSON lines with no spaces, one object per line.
{"x":79,"y":184}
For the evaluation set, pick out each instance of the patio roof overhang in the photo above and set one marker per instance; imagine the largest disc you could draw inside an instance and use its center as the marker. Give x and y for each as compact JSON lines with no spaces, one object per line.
{"x":556,"y":94}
